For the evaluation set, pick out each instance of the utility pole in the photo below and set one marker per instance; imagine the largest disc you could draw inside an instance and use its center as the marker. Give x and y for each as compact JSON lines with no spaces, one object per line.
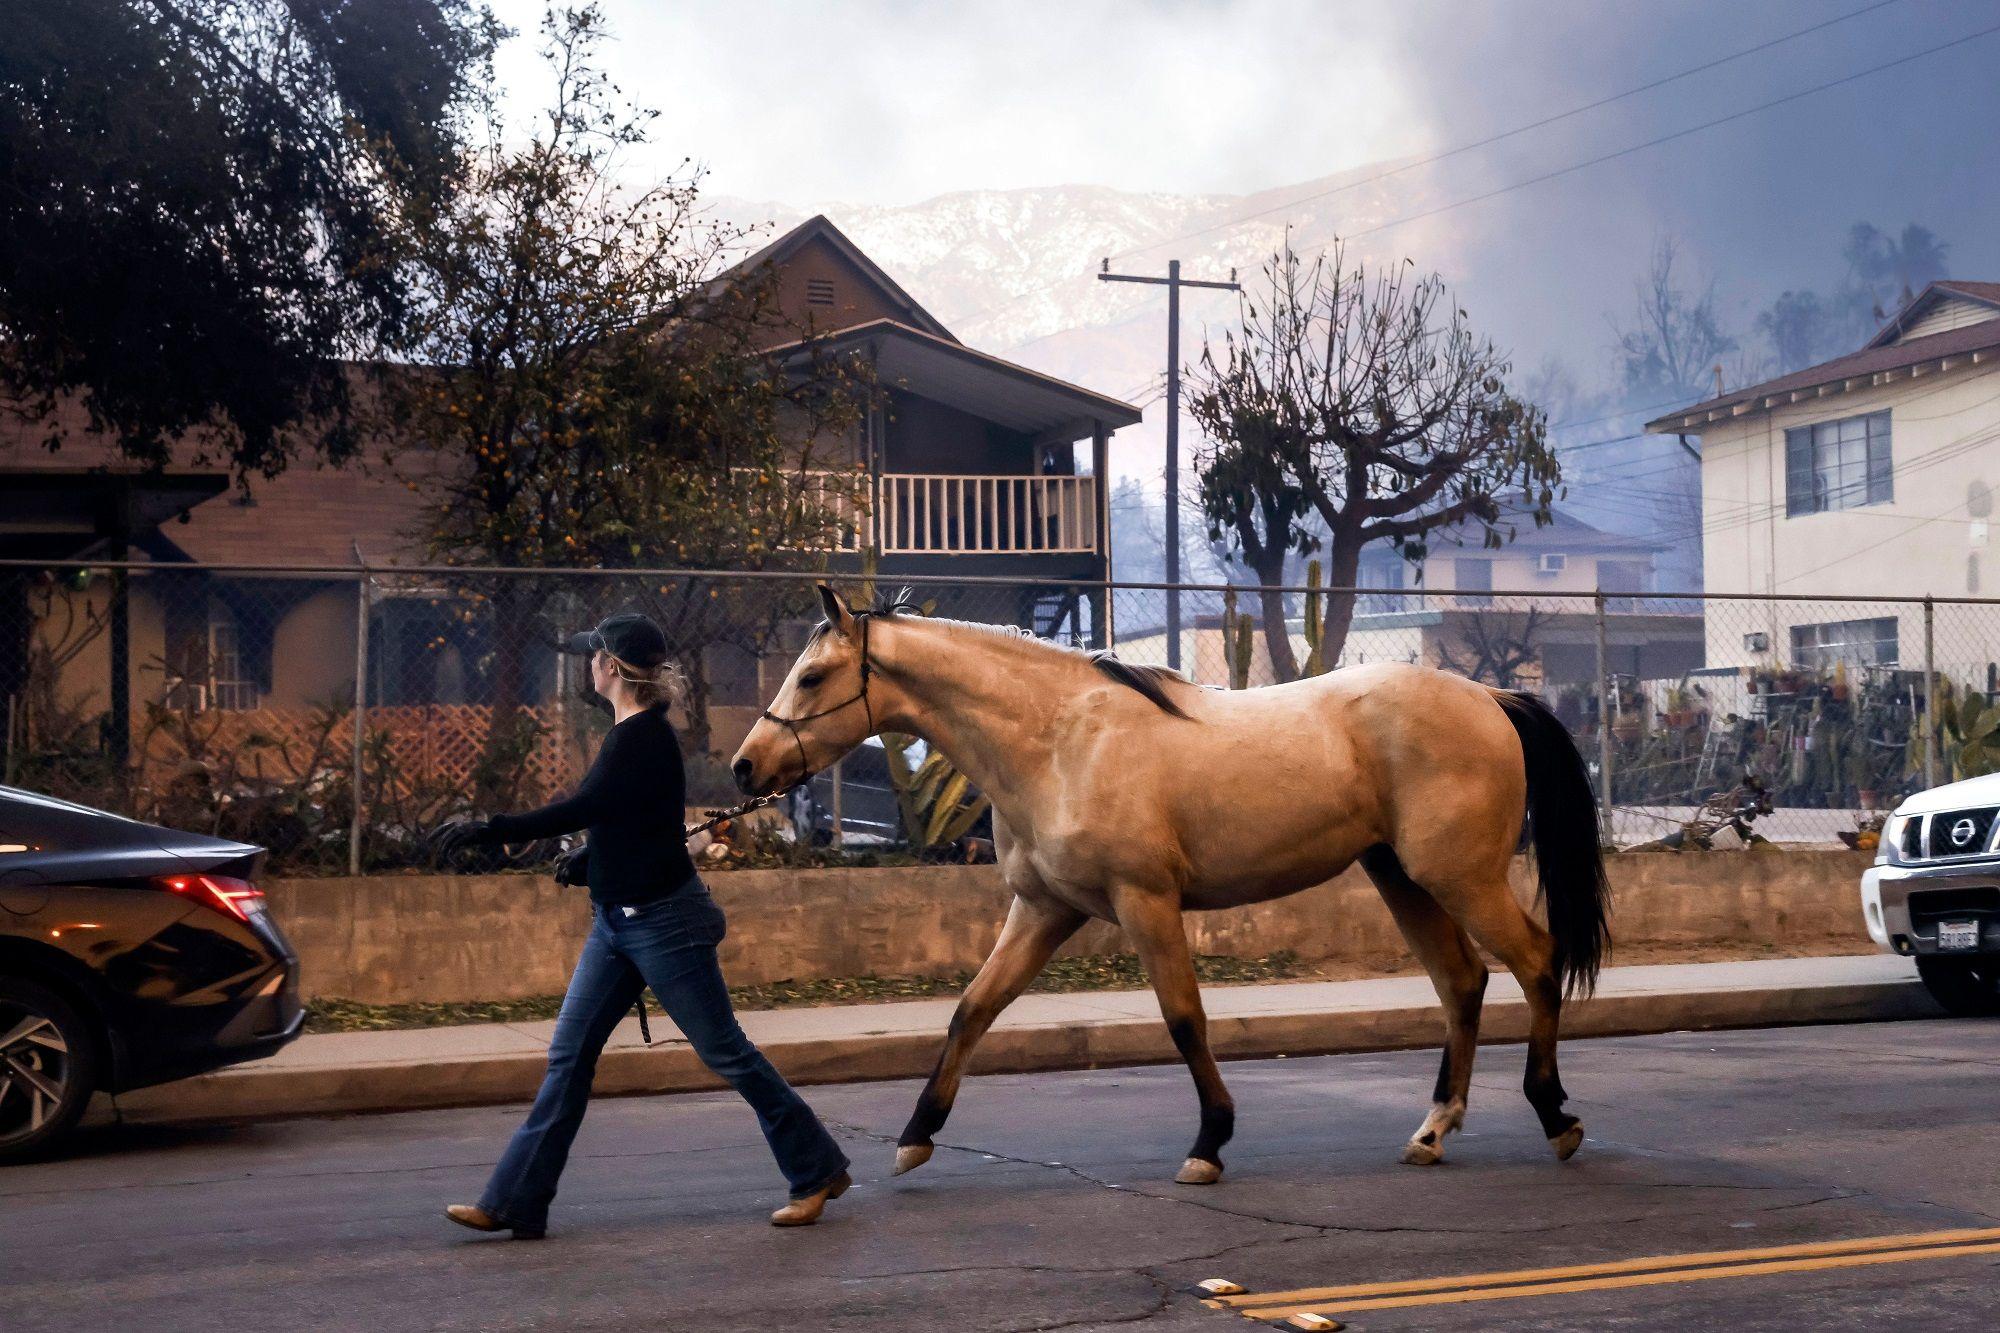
{"x":1173,"y":282}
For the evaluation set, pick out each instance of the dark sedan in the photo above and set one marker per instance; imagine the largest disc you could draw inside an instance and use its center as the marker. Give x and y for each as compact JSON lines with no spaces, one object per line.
{"x":129,"y":955}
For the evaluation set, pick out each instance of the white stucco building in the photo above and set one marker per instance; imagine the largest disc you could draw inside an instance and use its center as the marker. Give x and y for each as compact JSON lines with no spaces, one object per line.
{"x":1870,"y":475}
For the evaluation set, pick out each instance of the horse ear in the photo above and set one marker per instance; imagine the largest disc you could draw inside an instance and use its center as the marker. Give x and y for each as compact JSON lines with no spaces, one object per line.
{"x":837,"y":613}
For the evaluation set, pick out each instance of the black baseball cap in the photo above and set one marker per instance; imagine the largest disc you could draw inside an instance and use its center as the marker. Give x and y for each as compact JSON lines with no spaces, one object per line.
{"x":627,"y":636}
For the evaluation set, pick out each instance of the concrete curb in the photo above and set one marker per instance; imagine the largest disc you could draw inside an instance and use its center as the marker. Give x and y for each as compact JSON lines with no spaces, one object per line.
{"x":268,"y":1091}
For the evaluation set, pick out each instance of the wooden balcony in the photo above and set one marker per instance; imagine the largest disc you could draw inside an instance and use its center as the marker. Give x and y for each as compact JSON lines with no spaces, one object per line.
{"x":946,"y":514}
{"x":965,"y":515}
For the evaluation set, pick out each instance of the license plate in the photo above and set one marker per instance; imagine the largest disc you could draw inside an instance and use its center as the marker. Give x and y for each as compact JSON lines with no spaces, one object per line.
{"x":1958,"y":935}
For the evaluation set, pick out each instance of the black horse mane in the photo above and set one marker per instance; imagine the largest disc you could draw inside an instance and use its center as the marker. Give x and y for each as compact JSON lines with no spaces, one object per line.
{"x":1149,"y":681}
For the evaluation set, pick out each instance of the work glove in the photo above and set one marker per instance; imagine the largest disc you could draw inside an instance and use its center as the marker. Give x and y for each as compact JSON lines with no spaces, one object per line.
{"x":454,"y":836}
{"x":573,"y":867}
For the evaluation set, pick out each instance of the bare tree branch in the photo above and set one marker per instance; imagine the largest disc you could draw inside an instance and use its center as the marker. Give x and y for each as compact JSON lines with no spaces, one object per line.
{"x":1367,"y":403}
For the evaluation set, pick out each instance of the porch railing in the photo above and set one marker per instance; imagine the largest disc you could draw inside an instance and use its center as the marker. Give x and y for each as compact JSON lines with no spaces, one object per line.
{"x":949,"y":514}
{"x":919,"y":514}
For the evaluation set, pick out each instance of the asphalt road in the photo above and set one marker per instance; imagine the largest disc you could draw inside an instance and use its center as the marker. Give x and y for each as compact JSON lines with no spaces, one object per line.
{"x":1053,"y":1206}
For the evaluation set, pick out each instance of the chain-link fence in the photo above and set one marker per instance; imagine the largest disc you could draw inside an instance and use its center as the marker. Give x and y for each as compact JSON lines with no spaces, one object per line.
{"x":225,"y":699}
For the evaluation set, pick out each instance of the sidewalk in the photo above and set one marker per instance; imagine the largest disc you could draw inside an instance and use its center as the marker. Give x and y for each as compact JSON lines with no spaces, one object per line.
{"x":503,"y":1062}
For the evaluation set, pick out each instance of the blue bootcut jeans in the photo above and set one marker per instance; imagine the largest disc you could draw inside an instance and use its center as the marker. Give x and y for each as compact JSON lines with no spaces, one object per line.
{"x":669,"y":946}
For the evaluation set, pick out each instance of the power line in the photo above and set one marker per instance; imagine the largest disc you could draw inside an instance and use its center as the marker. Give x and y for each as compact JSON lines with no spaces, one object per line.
{"x":1678,"y":134}
{"x":1517,"y":130}
{"x":1449,"y":153}
{"x":1173,"y":282}
{"x":1595,"y":161}
{"x":1760,"y":511}
{"x":1892,"y":537}
{"x":1913,"y":464}
{"x":1627,"y":412}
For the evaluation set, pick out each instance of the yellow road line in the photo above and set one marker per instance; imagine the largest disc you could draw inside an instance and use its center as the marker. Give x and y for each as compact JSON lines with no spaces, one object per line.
{"x":1628,"y":1280}
{"x":1808,"y":1250}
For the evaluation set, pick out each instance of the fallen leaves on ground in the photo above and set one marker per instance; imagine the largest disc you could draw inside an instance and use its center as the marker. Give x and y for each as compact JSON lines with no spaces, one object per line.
{"x":1120,"y":971}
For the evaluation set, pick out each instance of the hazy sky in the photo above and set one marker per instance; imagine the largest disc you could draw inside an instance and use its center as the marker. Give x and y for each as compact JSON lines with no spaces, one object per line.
{"x":892,"y":101}
{"x":815,"y":105}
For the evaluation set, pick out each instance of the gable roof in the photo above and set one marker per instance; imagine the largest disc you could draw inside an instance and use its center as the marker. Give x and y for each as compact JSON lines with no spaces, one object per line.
{"x":1877,"y":363}
{"x":1928,"y":301}
{"x":820,"y":228}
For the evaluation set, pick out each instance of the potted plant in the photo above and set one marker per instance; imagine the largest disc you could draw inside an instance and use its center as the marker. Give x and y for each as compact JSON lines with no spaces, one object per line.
{"x":1861,"y":773}
{"x":1682,"y":706}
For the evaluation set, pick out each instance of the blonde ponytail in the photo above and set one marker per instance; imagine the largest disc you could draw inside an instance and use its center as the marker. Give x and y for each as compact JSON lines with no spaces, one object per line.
{"x":662,"y":684}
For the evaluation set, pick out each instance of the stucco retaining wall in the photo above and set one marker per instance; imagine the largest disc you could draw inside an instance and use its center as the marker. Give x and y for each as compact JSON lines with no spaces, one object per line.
{"x":392,"y":939}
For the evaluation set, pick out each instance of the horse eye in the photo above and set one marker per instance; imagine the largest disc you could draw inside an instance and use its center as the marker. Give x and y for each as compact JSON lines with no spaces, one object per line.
{"x":810,"y":680}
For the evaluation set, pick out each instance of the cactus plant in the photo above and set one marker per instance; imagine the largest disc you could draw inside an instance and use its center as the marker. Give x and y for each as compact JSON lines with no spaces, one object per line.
{"x":1238,"y":641}
{"x":1229,"y":630}
{"x":1968,"y":733}
{"x":1315,"y":622}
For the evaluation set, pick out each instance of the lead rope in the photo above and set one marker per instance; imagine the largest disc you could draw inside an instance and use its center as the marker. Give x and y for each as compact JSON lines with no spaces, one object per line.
{"x":737,"y":811}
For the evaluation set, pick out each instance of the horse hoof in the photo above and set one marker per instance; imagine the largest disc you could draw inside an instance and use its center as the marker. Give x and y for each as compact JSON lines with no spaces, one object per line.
{"x":911,"y":1156}
{"x":1422,"y":1154}
{"x":1194,"y":1171}
{"x":1567,"y":1142}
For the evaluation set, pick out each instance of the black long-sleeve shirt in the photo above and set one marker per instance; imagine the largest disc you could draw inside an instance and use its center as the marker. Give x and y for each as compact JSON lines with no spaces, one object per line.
{"x":633,"y":802}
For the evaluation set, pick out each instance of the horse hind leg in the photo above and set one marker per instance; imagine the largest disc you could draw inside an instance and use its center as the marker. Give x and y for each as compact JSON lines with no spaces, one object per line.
{"x":1496,"y":920}
{"x":1460,"y":979}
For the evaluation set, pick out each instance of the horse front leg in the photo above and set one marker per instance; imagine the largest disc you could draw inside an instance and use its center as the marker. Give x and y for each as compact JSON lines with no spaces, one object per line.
{"x":1152,"y":921}
{"x":1034,"y":931}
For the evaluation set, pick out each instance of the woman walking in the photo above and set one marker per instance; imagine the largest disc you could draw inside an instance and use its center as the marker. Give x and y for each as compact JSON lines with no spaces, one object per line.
{"x":654,"y":925}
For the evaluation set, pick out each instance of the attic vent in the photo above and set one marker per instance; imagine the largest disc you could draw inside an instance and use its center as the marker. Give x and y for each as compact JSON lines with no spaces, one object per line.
{"x":819,"y":291}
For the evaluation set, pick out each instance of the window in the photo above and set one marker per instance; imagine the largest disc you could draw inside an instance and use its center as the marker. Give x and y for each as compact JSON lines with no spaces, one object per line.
{"x":1855,"y":642}
{"x":1389,"y":573}
{"x":1624,"y":577}
{"x":819,"y":291}
{"x":1473,"y":577}
{"x":1838,"y":465}
{"x":229,"y":683}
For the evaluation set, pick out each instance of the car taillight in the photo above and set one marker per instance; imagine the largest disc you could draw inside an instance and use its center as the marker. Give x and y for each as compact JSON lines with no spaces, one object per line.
{"x":231,"y":897}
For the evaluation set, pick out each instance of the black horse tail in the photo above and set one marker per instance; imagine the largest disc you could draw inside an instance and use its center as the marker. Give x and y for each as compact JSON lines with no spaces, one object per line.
{"x":1562,"y":823}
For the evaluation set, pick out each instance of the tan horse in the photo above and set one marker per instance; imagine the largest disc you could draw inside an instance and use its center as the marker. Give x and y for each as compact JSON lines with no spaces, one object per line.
{"x":1131,"y":795}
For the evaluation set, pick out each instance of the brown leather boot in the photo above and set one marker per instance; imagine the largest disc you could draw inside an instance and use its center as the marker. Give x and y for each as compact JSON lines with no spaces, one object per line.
{"x":804,"y":1212}
{"x":472,"y":1215}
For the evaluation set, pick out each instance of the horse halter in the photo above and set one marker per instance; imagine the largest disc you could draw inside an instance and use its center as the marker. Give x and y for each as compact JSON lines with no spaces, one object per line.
{"x":860,"y":696}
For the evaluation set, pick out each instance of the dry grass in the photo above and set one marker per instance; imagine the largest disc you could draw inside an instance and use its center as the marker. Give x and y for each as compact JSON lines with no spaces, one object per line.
{"x":1098,"y":972}
{"x":1095,"y":972}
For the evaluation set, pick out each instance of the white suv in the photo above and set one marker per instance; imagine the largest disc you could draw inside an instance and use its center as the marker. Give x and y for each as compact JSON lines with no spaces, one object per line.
{"x":1933,"y":893}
